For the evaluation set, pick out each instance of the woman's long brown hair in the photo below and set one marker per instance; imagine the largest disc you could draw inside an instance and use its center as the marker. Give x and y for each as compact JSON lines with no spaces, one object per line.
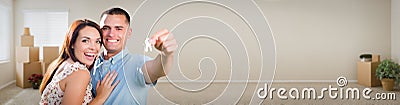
{"x":67,"y":51}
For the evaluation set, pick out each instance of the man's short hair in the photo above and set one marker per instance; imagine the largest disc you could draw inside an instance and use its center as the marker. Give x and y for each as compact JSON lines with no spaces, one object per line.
{"x":117,"y":11}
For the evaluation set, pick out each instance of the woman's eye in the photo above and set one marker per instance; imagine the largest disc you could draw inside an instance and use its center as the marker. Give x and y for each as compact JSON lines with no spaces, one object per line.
{"x":98,"y":42}
{"x":85,"y":41}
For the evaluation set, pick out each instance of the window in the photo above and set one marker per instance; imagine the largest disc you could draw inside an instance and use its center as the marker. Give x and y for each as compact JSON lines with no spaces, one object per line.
{"x":5,"y":32}
{"x":47,"y":27}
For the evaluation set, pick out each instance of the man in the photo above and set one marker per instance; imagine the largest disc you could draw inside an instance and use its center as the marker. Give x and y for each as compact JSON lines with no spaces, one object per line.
{"x":136,"y":73}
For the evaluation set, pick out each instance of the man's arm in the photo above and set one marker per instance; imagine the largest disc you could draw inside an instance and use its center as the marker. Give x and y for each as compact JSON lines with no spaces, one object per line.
{"x":161,"y":65}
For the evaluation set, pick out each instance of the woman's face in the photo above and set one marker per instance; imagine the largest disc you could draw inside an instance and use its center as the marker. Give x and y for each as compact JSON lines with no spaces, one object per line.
{"x":87,"y":45}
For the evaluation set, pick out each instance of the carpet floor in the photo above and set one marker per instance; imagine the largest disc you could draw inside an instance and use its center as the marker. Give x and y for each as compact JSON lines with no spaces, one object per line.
{"x":13,"y":95}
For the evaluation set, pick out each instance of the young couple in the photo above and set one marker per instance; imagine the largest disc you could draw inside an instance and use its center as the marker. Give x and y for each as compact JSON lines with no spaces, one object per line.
{"x":80,"y":75}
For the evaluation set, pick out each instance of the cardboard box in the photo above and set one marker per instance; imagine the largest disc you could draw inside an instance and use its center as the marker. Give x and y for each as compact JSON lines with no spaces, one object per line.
{"x":27,"y":31}
{"x":25,"y":70}
{"x":366,"y":74}
{"x":50,"y":53}
{"x":27,"y":41}
{"x":45,"y":65}
{"x":376,"y":58}
{"x":27,"y":54}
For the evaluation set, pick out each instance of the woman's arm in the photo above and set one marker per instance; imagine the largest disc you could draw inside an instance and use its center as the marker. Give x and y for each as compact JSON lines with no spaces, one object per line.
{"x":75,"y":87}
{"x":77,"y":82}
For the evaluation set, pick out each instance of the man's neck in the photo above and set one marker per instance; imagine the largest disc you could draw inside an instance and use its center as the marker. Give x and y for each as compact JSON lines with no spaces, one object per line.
{"x":109,"y":55}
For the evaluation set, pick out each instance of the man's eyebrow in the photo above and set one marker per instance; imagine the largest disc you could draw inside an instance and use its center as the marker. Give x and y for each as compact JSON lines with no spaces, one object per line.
{"x":106,"y":26}
{"x":119,"y":26}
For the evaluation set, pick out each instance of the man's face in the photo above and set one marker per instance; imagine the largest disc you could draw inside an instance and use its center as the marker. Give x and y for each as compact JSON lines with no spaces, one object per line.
{"x":116,"y":32}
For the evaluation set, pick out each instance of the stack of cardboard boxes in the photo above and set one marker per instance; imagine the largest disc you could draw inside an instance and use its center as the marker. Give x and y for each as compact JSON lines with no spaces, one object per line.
{"x":27,"y":60}
{"x":366,"y":72}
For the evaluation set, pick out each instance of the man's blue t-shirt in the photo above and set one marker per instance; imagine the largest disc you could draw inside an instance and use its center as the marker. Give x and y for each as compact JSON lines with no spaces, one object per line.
{"x":132,"y":88}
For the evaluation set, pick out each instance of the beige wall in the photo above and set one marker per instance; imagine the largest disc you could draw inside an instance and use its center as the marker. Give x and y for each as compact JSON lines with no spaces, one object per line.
{"x":395,"y":7}
{"x":322,"y":39}
{"x":7,"y":72}
{"x":316,"y":40}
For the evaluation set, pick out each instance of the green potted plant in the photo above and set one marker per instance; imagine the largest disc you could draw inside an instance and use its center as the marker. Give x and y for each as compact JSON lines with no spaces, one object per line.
{"x":388,"y":72}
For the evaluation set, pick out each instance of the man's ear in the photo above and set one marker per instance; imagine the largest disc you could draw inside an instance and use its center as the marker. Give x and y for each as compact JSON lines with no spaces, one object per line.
{"x":129,"y":33}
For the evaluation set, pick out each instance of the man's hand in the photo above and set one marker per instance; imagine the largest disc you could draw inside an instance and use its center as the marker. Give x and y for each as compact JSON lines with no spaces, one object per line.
{"x":164,"y":41}
{"x":161,"y":65}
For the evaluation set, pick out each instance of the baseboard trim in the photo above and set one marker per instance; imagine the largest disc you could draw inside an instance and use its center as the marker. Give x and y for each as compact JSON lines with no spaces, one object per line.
{"x":255,"y":81}
{"x":9,"y":83}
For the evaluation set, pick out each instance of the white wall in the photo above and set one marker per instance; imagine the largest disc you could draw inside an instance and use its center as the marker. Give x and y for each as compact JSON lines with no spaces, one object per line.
{"x":395,"y":8}
{"x":7,"y":72}
{"x":315,"y":39}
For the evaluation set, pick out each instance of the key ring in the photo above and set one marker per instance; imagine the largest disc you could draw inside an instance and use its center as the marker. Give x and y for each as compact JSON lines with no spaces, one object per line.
{"x":147,"y":45}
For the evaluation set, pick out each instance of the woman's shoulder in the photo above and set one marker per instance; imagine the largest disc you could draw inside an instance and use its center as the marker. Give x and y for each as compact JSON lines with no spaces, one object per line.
{"x":74,"y":74}
{"x":74,"y":68}
{"x":79,"y":69}
{"x":80,"y":75}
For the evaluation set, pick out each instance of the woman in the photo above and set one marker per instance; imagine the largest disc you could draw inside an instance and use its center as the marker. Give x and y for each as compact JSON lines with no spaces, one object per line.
{"x":67,"y":80}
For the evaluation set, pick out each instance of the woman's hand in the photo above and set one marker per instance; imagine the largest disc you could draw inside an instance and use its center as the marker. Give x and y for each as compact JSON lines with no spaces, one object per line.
{"x":105,"y":87}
